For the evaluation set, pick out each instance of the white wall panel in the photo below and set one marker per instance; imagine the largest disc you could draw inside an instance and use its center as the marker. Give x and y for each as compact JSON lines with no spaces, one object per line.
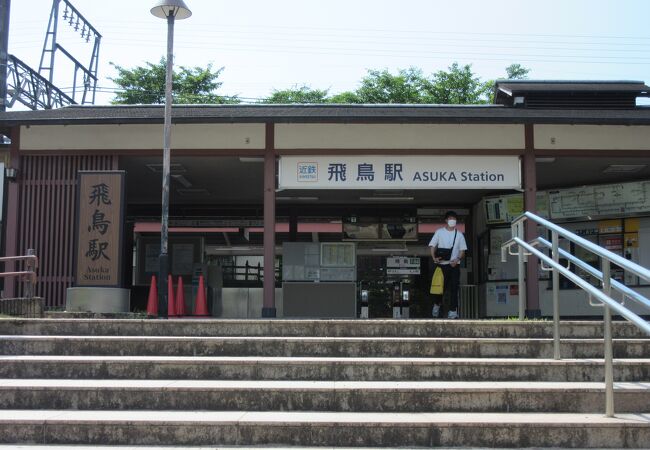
{"x":398,"y":136}
{"x":592,"y":137}
{"x":141,"y":137}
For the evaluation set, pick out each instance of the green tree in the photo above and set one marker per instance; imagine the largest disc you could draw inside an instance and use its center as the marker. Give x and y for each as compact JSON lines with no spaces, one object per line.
{"x":146,"y":85}
{"x":302,"y":94}
{"x":345,"y":97}
{"x":517,"y":72}
{"x":408,"y":86}
{"x":458,"y":86}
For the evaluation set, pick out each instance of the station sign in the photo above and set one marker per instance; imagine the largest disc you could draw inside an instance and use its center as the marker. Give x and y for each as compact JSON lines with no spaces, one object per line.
{"x":99,"y":228}
{"x":399,"y":172}
{"x":402,"y":265}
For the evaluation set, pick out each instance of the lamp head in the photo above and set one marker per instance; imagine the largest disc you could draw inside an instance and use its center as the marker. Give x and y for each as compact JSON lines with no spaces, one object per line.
{"x":176,"y":8}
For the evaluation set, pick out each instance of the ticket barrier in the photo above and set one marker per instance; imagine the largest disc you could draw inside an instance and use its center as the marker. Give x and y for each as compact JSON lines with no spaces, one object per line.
{"x":401,"y":298}
{"x":363,"y":297}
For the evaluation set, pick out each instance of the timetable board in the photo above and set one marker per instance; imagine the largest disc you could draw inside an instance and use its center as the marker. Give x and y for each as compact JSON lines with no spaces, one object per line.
{"x":600,"y":200}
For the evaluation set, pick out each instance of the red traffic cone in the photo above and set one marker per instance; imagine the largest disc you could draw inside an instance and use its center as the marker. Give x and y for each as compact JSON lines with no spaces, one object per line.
{"x":201,"y":305}
{"x":152,"y":302}
{"x":180,"y":298}
{"x":171,"y":304}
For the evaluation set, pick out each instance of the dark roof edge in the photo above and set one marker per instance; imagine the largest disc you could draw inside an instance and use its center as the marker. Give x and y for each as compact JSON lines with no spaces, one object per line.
{"x":488,"y":114}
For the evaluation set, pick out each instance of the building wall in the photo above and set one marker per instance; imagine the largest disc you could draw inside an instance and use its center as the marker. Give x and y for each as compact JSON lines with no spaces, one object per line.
{"x":592,"y":137}
{"x":141,"y":137}
{"x":399,"y":136}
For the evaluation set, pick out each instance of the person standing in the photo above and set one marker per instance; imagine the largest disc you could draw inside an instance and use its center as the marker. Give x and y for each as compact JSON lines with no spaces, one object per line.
{"x":447,"y":250}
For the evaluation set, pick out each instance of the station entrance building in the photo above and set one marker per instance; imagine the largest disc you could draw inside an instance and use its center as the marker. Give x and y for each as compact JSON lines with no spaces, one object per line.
{"x":291,"y":210}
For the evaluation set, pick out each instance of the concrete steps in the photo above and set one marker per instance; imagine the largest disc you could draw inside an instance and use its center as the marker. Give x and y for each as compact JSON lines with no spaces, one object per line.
{"x":385,"y":383}
{"x":324,"y":368}
{"x":314,"y":328}
{"x":349,"y":347}
{"x":346,"y":396}
{"x":326,"y":428}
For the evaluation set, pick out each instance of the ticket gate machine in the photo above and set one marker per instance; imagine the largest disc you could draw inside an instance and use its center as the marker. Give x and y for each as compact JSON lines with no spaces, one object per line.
{"x":401,"y":297}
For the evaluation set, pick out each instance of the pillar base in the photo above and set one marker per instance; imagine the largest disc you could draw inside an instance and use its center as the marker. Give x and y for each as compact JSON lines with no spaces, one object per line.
{"x":533,"y":313}
{"x":269,"y":312}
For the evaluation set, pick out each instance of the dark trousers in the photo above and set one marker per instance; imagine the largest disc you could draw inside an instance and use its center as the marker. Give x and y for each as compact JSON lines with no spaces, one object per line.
{"x":452,"y":281}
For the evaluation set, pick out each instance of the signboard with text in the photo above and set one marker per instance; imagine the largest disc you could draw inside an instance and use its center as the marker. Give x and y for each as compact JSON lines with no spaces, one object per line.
{"x":100,"y":218}
{"x":402,"y":265}
{"x":399,"y":172}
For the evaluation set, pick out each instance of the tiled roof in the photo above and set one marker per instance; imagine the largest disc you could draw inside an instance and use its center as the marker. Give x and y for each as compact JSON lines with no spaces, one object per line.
{"x":322,"y":113}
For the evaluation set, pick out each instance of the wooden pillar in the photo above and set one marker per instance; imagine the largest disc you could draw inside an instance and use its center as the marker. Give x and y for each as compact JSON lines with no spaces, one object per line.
{"x":268,"y":306}
{"x":530,"y":204}
{"x":11,"y":220}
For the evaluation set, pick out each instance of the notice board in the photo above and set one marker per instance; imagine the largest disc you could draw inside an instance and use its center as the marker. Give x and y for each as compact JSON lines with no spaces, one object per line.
{"x":99,"y":228}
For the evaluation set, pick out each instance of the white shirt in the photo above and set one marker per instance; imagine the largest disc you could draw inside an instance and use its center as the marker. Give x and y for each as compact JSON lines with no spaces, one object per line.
{"x":443,"y":238}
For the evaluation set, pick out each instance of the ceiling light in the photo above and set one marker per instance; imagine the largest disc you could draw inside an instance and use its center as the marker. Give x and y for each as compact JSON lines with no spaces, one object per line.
{"x":624,"y":168}
{"x":182,"y":180}
{"x":249,"y":159}
{"x":300,"y":199}
{"x":545,"y":159}
{"x":174,"y":168}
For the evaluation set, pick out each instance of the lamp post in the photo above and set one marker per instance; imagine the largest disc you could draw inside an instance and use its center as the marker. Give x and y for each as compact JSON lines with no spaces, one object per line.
{"x":170,"y":10}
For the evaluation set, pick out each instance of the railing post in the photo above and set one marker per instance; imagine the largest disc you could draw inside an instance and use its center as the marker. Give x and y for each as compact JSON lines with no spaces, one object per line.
{"x":29,"y":288}
{"x":609,"y":365}
{"x":556,"y":296}
{"x":521,"y":272}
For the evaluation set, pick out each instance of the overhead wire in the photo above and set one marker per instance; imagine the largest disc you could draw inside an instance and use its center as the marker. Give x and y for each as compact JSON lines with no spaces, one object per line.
{"x":611,"y":49}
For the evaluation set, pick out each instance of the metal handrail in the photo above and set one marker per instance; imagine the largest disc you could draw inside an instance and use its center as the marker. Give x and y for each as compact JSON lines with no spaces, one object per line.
{"x":591,"y":270}
{"x":626,"y":264}
{"x":586,"y":286}
{"x":30,"y":273}
{"x":607,"y":258}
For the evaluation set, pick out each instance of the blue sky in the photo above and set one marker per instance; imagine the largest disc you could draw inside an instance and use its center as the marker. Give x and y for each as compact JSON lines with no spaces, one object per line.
{"x":330,"y":44}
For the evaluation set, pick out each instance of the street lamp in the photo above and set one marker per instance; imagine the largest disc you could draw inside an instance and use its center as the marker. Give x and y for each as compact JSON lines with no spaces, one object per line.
{"x":170,"y":10}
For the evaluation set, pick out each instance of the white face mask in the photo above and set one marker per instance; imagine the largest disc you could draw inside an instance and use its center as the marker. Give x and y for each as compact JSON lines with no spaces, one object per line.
{"x":451,"y":223}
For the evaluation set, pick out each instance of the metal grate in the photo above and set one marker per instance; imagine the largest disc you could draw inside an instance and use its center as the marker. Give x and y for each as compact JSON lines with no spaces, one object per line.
{"x":468,"y":302}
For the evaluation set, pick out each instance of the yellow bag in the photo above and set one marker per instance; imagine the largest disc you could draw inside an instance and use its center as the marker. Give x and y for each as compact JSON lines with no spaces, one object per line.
{"x":437,"y":282}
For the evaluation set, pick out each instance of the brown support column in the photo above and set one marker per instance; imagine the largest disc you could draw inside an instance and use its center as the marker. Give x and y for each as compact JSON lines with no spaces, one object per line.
{"x":13,"y":209}
{"x":530,"y":200}
{"x":268,"y":308}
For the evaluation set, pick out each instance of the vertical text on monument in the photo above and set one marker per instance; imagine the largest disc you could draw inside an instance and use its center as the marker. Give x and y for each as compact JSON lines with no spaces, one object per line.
{"x":100,"y":217}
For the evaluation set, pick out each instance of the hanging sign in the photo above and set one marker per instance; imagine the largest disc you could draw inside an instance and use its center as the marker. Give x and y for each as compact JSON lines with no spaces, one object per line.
{"x":402,"y":265}
{"x":100,"y":218}
{"x":399,"y":172}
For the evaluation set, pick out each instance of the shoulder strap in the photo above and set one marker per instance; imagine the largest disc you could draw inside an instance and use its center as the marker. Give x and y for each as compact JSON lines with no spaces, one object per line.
{"x":454,"y":241}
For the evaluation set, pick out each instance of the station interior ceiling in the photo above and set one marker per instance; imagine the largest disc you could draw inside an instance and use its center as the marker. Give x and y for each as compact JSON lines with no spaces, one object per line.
{"x":213,"y":180}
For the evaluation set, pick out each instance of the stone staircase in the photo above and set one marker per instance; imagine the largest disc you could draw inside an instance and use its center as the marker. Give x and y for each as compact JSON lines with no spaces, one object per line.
{"x":335,"y":383}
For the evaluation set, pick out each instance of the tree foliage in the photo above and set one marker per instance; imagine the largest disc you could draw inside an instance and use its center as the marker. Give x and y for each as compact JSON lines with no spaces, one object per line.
{"x":458,"y":85}
{"x":517,"y":72}
{"x":302,"y":94}
{"x":407,"y":86}
{"x":190,"y":85}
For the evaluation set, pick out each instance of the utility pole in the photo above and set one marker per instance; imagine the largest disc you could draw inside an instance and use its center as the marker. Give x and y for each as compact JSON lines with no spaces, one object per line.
{"x":4,"y":51}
